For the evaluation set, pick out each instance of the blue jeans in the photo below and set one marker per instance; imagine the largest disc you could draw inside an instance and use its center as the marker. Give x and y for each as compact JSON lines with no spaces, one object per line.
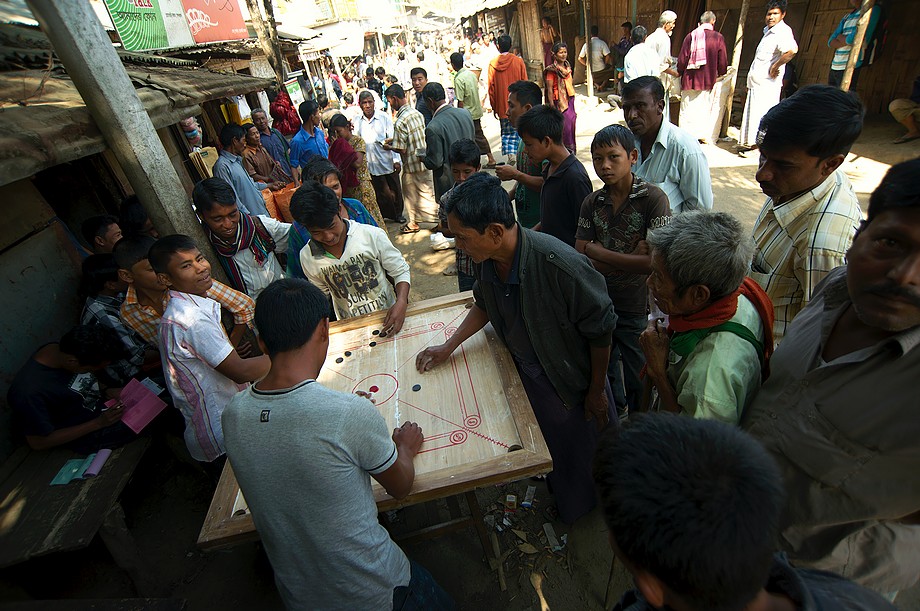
{"x":422,"y":593}
{"x":627,"y":387}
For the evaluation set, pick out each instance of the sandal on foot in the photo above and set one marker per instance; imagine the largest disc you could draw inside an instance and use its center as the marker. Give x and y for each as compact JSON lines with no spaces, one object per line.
{"x":407,"y":229}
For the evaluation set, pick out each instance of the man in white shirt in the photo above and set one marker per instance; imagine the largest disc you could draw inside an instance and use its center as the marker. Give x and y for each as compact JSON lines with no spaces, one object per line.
{"x":660,"y":42}
{"x":765,"y":77}
{"x":203,"y":371}
{"x":641,"y":59}
{"x":375,"y":128}
{"x":245,"y":243}
{"x":669,"y":157}
{"x":350,"y":261}
{"x":600,"y":52}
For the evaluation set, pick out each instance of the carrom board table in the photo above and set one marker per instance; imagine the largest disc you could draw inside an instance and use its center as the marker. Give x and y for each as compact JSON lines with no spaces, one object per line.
{"x":478,"y":425}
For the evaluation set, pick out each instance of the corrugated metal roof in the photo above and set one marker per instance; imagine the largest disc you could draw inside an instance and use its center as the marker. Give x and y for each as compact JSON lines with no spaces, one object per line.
{"x":44,"y":122}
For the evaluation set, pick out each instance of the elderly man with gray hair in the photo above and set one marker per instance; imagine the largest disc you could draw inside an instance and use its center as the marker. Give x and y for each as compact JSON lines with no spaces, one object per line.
{"x":708,"y":355}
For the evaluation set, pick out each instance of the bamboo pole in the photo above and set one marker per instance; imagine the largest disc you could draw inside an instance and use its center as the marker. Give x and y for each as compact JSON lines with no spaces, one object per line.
{"x":865,"y":14}
{"x":736,"y":61}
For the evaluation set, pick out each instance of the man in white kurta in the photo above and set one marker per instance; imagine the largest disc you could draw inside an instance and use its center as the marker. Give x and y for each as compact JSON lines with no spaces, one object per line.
{"x":765,"y":77}
{"x":660,"y":42}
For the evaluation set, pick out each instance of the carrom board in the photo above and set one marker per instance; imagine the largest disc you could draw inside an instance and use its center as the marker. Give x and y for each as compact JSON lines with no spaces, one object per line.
{"x":478,"y":425}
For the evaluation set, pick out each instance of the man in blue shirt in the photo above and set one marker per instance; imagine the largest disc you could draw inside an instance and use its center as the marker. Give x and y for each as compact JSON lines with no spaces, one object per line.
{"x":229,"y":166}
{"x":842,"y":39}
{"x":310,"y":140}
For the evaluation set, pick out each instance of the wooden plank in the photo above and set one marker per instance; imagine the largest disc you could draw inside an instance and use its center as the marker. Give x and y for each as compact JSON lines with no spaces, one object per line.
{"x":37,"y":518}
{"x":473,"y":410}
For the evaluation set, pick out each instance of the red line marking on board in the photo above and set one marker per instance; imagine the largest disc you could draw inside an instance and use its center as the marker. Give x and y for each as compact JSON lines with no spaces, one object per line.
{"x":425,"y":345}
{"x":469,"y":373}
{"x":459,"y":426}
{"x":454,"y":438}
{"x":460,"y":398}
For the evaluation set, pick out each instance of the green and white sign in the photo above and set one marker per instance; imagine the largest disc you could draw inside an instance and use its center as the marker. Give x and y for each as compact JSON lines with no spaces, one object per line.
{"x":150,"y":24}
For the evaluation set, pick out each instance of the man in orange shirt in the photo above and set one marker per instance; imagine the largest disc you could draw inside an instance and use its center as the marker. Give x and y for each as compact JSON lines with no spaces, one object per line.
{"x":505,"y":69}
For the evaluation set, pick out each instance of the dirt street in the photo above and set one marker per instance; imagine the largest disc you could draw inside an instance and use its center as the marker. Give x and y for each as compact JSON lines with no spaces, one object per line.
{"x":167,"y":499}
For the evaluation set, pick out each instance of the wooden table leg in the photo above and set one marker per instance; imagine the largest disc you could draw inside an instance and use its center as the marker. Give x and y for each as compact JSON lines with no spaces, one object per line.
{"x":478,"y":524}
{"x":118,"y":540}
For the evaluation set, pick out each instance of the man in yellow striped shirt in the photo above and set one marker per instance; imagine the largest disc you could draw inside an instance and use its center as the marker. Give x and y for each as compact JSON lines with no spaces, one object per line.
{"x":811,"y":214}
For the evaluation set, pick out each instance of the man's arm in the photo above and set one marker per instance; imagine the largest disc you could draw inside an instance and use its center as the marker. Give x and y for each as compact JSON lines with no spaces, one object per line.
{"x":596,"y":397}
{"x":431,"y":357}
{"x":695,"y":182}
{"x":253,"y":173}
{"x":434,"y":155}
{"x":509,"y":172}
{"x":655,"y":344}
{"x":784,"y":59}
{"x":636,"y":262}
{"x":397,"y":480}
{"x":242,"y":370}
{"x":69,"y":433}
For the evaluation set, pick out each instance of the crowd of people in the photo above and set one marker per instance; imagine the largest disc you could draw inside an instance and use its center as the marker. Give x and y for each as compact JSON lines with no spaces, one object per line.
{"x":737,"y":402}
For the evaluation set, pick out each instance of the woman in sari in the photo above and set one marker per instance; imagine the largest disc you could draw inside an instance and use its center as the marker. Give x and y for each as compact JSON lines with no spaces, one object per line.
{"x":560,"y":93}
{"x":347,"y":152}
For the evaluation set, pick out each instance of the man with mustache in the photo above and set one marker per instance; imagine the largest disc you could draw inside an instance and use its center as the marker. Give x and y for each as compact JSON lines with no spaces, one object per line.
{"x":839,"y":409}
{"x":811,"y":213}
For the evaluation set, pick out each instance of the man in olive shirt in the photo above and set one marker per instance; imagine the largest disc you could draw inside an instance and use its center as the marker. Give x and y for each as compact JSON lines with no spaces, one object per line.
{"x":839,"y":411}
{"x":466,"y":90}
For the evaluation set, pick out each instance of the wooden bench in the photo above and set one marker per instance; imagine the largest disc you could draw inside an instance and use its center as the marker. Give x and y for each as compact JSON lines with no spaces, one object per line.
{"x":37,"y":518}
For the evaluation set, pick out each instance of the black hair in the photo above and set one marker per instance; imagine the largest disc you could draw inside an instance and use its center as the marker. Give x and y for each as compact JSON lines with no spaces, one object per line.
{"x":614,"y":134}
{"x":526,"y":92}
{"x":547,"y":19}
{"x":288,"y":311}
{"x":132,"y":216}
{"x":401,"y":55}
{"x":92,"y":345}
{"x":348,"y":97}
{"x":541,"y":122}
{"x":231,"y":132}
{"x":307,"y":109}
{"x":322,"y":100}
{"x":380,"y":70}
{"x":504,"y":43}
{"x":418,"y":70}
{"x":559,"y":45}
{"x":899,"y":189}
{"x":696,"y":503}
{"x":421,"y":57}
{"x":395,"y":91}
{"x":213,"y":191}
{"x":97,"y":270}
{"x":595,"y":30}
{"x":782,"y":5}
{"x":433,"y":91}
{"x":339,"y":120}
{"x":96,"y":227}
{"x":456,"y":60}
{"x":464,"y":151}
{"x":638,"y":34}
{"x":793,"y":123}
{"x":247,"y":127}
{"x":318,"y":168}
{"x":479,"y":201}
{"x":314,"y":205}
{"x":369,"y":71}
{"x":131,"y":250}
{"x":627,"y":24}
{"x":648,"y":83}
{"x":162,"y":251}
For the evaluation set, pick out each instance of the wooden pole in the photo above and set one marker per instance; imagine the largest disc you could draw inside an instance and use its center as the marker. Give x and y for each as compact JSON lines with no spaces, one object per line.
{"x":589,"y":76}
{"x":559,"y":19}
{"x":736,"y":62}
{"x":92,"y":64}
{"x":865,"y":14}
{"x":269,"y":46}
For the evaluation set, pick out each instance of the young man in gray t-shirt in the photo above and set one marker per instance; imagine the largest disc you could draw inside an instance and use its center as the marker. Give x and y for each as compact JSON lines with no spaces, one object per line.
{"x":302,"y":454}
